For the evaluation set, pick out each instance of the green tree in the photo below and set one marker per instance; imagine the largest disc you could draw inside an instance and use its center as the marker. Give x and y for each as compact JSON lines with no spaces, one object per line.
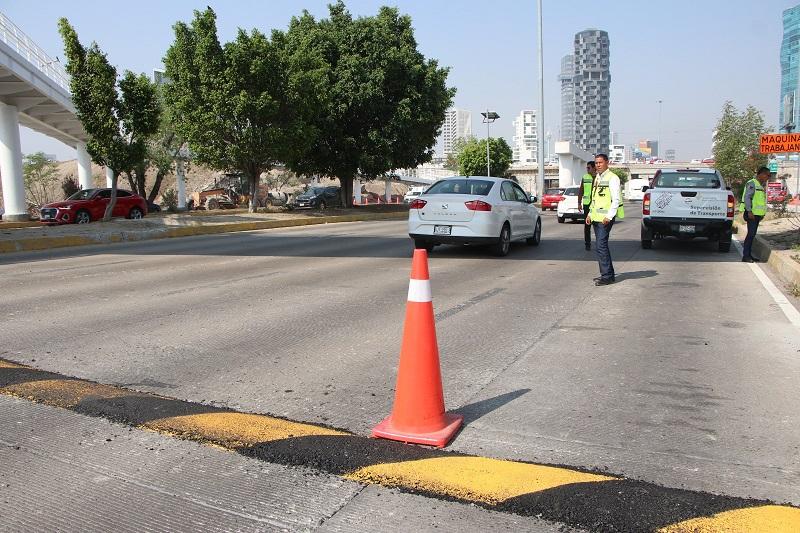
{"x":40,"y":175}
{"x":622,"y":173}
{"x":242,"y":107}
{"x":472,"y":157}
{"x":383,"y":101}
{"x":736,"y":150}
{"x":119,"y":115}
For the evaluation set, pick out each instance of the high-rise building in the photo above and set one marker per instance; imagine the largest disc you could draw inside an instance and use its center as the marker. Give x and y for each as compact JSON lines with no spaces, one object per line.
{"x":669,"y":154}
{"x":592,"y":82}
{"x":457,"y":125}
{"x":616,"y":154}
{"x":567,"y":98}
{"x":650,"y":148}
{"x":790,"y":70}
{"x":525,"y":138}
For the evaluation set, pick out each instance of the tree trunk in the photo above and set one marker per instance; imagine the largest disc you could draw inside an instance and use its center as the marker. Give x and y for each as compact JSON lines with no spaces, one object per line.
{"x":156,"y":187}
{"x":113,"y":201}
{"x":141,"y":177}
{"x":253,"y":202}
{"x":346,"y":188}
{"x":131,"y":181}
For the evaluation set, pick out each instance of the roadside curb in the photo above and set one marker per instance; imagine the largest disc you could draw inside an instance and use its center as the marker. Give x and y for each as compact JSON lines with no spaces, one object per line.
{"x":572,"y":496}
{"x":780,"y":260}
{"x":46,"y":243}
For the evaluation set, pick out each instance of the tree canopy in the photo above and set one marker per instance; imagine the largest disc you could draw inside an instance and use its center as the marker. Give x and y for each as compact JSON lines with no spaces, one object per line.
{"x":40,"y":175}
{"x":119,"y":115}
{"x":472,"y":157}
{"x":736,"y":147}
{"x":382,"y":102}
{"x":244,"y":106}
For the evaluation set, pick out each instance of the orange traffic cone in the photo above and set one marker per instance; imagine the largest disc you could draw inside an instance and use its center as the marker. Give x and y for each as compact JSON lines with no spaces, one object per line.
{"x":418,"y":415}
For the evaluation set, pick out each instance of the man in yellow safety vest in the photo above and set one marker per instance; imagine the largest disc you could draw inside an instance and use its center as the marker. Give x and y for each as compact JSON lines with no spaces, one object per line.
{"x":753,"y":207}
{"x":584,"y":199}
{"x":606,"y":206}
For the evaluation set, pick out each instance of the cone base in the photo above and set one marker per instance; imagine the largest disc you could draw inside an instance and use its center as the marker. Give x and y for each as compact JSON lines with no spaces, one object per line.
{"x":439,"y":438}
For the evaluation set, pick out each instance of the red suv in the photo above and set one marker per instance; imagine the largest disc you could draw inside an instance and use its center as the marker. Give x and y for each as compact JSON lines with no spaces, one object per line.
{"x":90,"y":204}
{"x":551,"y":197}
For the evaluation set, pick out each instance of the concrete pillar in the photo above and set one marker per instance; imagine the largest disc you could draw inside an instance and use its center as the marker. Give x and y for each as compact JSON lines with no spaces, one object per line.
{"x":11,"y":165}
{"x":109,"y":176}
{"x":84,"y":167}
{"x":571,"y":163}
{"x":357,"y":192}
{"x":181,"y":181}
{"x":388,"y":191}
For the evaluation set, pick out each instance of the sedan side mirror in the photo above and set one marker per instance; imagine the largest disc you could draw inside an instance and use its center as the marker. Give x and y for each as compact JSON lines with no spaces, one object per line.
{"x":728,"y":189}
{"x":644,"y":188}
{"x":533,"y":199}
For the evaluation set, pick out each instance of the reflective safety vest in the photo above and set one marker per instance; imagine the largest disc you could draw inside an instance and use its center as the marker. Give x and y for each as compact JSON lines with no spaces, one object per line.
{"x":587,"y":188}
{"x":601,"y":200}
{"x":759,"y":202}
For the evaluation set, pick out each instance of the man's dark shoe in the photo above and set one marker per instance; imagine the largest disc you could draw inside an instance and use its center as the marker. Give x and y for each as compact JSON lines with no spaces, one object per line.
{"x":588,"y":246}
{"x":748,"y":260}
{"x":604,"y":281}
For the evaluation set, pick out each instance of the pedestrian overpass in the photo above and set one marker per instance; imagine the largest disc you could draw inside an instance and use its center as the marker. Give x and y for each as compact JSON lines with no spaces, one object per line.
{"x":34,"y":92}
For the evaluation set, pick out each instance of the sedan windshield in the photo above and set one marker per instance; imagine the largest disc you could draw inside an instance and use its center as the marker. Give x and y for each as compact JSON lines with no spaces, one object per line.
{"x":571,"y":191}
{"x":82,"y":195}
{"x":313,"y":192}
{"x":461,"y":186}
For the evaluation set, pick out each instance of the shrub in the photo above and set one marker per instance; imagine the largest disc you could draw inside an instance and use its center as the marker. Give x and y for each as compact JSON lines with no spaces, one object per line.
{"x":70,"y":186}
{"x":169,"y":199}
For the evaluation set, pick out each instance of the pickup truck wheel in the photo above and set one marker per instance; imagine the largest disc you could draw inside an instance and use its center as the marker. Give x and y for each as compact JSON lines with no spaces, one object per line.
{"x":724,"y":246}
{"x":647,"y":244}
{"x":561,"y":219}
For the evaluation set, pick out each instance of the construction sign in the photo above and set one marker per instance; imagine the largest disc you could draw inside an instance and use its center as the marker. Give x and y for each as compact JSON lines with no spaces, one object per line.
{"x":778,"y":143}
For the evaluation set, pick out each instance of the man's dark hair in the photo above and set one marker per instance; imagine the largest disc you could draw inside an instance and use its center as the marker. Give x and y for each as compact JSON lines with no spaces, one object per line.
{"x":590,"y":164}
{"x":763,"y":170}
{"x":604,"y":157}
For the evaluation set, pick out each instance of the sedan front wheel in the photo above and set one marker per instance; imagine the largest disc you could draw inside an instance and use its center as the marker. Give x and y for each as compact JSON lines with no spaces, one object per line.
{"x":83,"y":217}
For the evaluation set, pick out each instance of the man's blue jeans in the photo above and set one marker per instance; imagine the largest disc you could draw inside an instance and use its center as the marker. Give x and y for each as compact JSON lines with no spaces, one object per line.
{"x":601,"y":234}
{"x":752,"y":228}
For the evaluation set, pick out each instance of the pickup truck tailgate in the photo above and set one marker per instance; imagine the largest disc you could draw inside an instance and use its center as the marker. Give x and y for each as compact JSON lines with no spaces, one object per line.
{"x":682,"y":203}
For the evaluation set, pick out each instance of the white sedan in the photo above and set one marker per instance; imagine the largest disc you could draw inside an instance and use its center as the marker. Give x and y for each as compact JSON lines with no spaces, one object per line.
{"x":474,"y":210}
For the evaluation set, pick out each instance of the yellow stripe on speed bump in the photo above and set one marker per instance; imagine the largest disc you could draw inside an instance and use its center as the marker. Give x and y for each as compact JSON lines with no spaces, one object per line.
{"x":62,"y":392}
{"x":473,"y":478}
{"x":772,"y":518}
{"x":236,"y":430}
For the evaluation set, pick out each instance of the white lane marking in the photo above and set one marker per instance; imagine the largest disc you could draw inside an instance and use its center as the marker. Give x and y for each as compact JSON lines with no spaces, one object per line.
{"x":785,"y":305}
{"x":419,"y":290}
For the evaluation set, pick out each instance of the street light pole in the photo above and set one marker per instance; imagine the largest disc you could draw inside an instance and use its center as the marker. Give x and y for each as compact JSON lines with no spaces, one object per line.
{"x":540,"y":135}
{"x":488,"y":118}
{"x":658,"y":137}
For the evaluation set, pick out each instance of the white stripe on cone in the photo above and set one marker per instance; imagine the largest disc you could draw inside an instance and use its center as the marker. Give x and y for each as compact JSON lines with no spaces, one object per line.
{"x":419,"y":290}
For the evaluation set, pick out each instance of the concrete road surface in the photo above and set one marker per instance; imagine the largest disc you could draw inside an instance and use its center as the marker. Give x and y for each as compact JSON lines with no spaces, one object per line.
{"x":685,"y":373}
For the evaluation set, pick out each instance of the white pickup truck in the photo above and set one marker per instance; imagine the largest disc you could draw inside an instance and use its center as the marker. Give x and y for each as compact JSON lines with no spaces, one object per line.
{"x":688,"y":203}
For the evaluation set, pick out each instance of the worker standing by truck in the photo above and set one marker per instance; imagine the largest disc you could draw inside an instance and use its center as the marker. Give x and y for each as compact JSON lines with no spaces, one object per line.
{"x":606,"y":207}
{"x":754,"y":207}
{"x":585,"y":198}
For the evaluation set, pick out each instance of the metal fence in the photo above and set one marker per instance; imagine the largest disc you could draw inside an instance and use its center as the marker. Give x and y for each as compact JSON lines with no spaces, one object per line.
{"x":24,"y":46}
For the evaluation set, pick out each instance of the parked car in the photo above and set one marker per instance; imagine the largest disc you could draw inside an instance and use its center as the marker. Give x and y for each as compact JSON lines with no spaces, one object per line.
{"x":412,"y":193}
{"x":318,"y":198}
{"x":474,"y":210}
{"x":688,"y":203}
{"x":551,"y":197}
{"x":568,"y":208}
{"x":153,"y":207}
{"x":90,"y":204}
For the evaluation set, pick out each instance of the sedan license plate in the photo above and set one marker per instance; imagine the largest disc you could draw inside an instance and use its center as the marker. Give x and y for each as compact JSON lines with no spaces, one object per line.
{"x":442,"y":230}
{"x":686,"y":229}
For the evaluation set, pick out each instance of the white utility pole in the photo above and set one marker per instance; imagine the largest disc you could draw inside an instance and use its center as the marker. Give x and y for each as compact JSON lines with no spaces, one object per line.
{"x":540,"y":179}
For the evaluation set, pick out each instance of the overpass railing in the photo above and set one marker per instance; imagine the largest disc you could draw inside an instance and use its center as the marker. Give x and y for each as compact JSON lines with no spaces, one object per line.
{"x":36,"y":56}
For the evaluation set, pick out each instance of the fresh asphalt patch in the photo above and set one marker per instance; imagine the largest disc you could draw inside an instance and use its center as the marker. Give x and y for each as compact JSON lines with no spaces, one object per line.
{"x":595,"y":501}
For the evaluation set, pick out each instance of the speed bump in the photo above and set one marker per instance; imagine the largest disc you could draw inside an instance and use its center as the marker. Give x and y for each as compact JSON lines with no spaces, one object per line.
{"x":581,"y":499}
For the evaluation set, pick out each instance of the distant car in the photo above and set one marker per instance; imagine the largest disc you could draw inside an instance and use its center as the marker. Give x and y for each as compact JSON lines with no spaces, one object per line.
{"x":551,"y":197}
{"x":90,"y":204}
{"x":776,"y":192}
{"x":318,"y":198}
{"x":412,"y":193}
{"x":474,"y":210}
{"x":568,"y":208}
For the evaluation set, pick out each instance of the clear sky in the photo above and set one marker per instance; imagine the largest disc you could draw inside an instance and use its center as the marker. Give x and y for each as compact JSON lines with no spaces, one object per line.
{"x":692,"y":55}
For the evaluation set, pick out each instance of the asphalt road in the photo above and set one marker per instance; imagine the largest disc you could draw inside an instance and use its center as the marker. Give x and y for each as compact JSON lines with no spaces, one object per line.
{"x":685,"y":373}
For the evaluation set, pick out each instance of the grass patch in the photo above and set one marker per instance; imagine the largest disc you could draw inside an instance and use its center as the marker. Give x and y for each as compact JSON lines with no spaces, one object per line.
{"x":794,"y":289}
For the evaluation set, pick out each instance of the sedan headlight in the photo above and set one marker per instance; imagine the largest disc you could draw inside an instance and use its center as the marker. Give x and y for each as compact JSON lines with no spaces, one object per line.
{"x":65,"y":207}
